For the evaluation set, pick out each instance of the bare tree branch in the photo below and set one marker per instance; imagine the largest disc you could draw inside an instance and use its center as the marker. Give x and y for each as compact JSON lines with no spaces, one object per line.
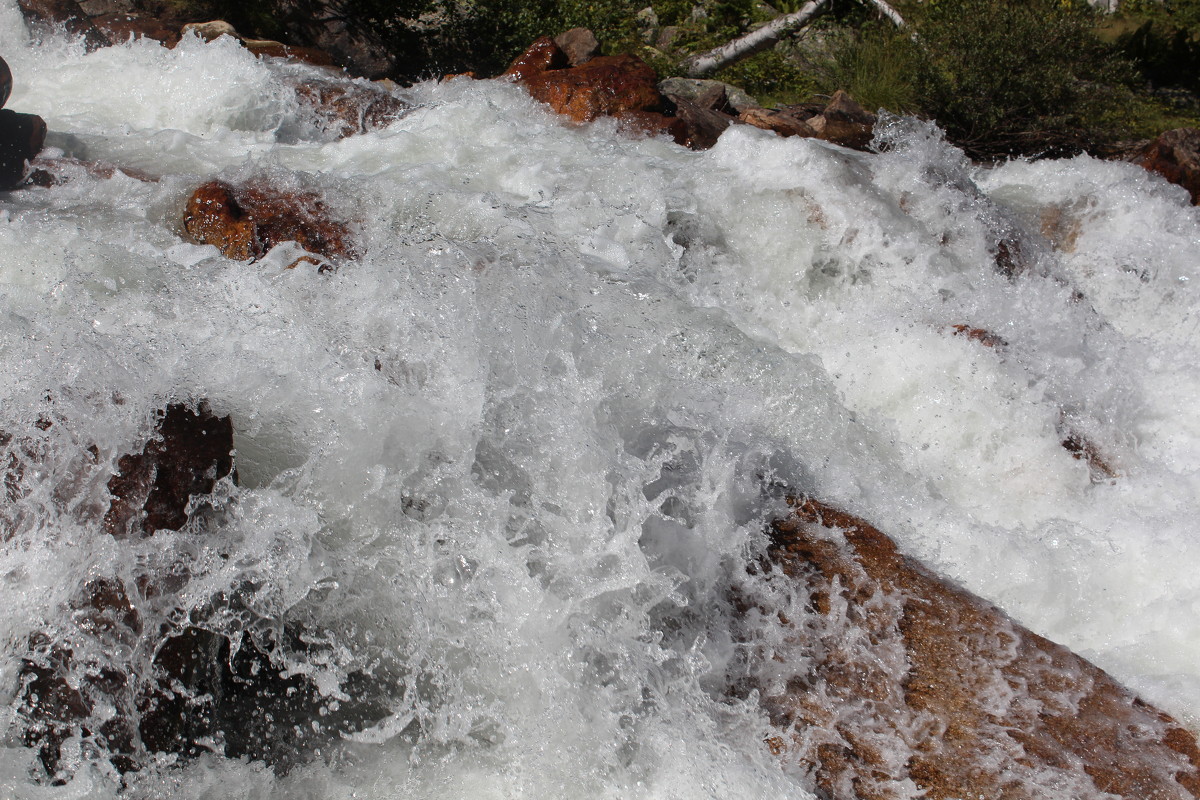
{"x":756,"y":41}
{"x":768,"y":36}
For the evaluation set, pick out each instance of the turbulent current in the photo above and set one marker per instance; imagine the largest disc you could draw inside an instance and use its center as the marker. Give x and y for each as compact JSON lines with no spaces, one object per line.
{"x":510,"y":459}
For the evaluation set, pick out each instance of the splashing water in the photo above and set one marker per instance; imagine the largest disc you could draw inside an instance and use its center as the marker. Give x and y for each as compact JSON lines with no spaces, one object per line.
{"x":510,"y":457}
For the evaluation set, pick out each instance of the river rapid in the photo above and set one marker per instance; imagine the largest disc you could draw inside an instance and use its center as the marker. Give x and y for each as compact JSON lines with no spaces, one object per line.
{"x":513,"y":456}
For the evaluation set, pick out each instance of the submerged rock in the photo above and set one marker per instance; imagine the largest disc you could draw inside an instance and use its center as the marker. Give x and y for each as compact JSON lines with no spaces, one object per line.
{"x":21,"y":138}
{"x":904,"y":685}
{"x":152,"y":490}
{"x":245,"y":222}
{"x":199,"y":690}
{"x":1176,"y":156}
{"x":343,"y":108}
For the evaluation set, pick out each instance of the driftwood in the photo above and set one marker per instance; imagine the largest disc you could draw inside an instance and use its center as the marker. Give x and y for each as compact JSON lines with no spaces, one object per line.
{"x":768,"y":36}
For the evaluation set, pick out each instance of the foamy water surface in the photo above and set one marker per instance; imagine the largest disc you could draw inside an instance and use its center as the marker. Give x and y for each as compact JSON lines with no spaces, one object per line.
{"x":512,"y":456}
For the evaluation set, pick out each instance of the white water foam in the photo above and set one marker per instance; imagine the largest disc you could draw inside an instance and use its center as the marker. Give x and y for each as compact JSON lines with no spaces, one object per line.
{"x":511,"y":455}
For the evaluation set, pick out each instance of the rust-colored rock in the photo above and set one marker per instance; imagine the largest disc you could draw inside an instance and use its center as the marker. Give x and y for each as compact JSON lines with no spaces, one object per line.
{"x":783,"y":124}
{"x":120,"y":27}
{"x":266,"y":48}
{"x":345,"y":109}
{"x":542,"y":55}
{"x":1176,"y":156}
{"x":603,"y":86}
{"x":904,"y":685}
{"x":21,"y":138}
{"x":1084,"y":449}
{"x":247,"y":221}
{"x":843,"y":121}
{"x":579,"y":45}
{"x":190,"y":451}
{"x":63,"y":14}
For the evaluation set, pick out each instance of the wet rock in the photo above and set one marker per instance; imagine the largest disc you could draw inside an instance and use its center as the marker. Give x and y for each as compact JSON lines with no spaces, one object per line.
{"x":245,"y":702}
{"x":190,"y":451}
{"x":901,"y":684}
{"x":266,"y":48}
{"x":343,"y":108}
{"x":782,"y":124}
{"x":247,"y":221}
{"x":602,"y":87}
{"x":1176,"y":156}
{"x":704,"y":126}
{"x":639,"y":124}
{"x":984,"y":337}
{"x":579,"y":45}
{"x":542,"y":55}
{"x":122,"y":26}
{"x":47,"y":15}
{"x":49,"y":172}
{"x":21,"y":138}
{"x":5,"y":82}
{"x":1084,"y":449}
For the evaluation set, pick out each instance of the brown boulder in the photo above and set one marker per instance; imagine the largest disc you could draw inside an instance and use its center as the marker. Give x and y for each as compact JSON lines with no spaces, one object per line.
{"x":602,"y":87}
{"x":344,"y":108}
{"x":190,"y":452}
{"x":1176,"y":156}
{"x":844,"y":122}
{"x":247,"y":221}
{"x":704,"y":126}
{"x":21,"y":138}
{"x":266,"y":48}
{"x":579,"y":45}
{"x":45,"y":15}
{"x":905,"y":685}
{"x":783,"y":124}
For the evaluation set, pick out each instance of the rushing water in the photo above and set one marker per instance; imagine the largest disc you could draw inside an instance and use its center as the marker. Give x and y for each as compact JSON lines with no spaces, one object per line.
{"x":512,"y":455}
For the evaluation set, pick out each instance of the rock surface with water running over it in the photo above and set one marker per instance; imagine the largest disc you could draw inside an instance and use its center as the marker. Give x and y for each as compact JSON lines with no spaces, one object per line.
{"x":905,"y":684}
{"x":245,"y":222}
{"x":1176,"y":156}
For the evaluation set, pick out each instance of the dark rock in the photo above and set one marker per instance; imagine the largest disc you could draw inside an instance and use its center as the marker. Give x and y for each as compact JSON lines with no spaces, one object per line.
{"x":1176,"y":156}
{"x":247,"y":221}
{"x":1084,"y":449}
{"x":344,"y":108}
{"x":21,"y":138}
{"x":5,"y":82}
{"x":844,"y":122}
{"x":905,"y":685}
{"x":579,"y":45}
{"x":704,"y":127}
{"x":190,"y":452}
{"x":651,"y":123}
{"x":46,"y":15}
